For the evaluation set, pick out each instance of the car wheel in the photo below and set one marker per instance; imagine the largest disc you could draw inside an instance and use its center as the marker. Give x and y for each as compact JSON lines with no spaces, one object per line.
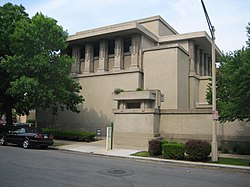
{"x":26,"y":144}
{"x":2,"y":141}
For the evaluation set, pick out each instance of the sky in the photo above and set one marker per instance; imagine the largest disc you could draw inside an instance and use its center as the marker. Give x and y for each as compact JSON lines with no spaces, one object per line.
{"x":229,"y":17}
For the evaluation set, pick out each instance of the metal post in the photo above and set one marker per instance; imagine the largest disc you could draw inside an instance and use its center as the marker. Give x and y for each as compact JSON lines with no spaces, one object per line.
{"x":215,"y":113}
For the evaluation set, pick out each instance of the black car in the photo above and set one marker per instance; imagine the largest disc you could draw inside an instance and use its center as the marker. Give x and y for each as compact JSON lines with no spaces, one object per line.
{"x":26,"y":137}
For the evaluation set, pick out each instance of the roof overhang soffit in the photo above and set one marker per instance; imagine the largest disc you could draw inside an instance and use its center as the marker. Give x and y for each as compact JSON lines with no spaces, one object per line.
{"x":111,"y":32}
{"x":201,"y":39}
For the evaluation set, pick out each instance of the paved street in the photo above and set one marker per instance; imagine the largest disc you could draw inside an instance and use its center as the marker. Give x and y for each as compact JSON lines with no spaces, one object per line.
{"x":34,"y":167}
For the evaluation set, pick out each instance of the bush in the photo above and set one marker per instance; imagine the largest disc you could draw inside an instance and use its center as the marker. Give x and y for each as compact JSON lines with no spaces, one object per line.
{"x":197,"y":150}
{"x":173,"y":151}
{"x":241,"y":148}
{"x":33,"y":121}
{"x":154,"y":147}
{"x":118,"y":90}
{"x":70,"y":135}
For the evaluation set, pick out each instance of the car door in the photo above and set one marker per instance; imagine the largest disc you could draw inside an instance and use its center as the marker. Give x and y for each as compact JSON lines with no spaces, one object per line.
{"x":15,"y":136}
{"x":11,"y":136}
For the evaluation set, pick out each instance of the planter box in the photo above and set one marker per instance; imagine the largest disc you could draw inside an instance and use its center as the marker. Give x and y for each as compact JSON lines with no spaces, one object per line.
{"x":135,"y":95}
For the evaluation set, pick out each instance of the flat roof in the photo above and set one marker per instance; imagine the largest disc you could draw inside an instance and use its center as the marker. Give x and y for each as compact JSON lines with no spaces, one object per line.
{"x":113,"y":31}
{"x":200,"y":38}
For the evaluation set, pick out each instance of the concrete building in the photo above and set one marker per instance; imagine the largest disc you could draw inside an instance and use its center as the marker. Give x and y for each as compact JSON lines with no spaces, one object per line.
{"x":172,"y":69}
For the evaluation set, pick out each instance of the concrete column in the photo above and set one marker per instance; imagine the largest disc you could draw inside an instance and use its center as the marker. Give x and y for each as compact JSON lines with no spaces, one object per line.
{"x":135,"y":44}
{"x":76,"y":53}
{"x":89,"y":58}
{"x":118,"y":64}
{"x":143,"y":106}
{"x":206,"y":65}
{"x":202,"y":61}
{"x":191,"y":49}
{"x":103,"y":56}
{"x":197,"y":60}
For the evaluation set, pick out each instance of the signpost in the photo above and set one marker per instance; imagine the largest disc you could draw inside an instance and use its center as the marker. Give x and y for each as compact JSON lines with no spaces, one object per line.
{"x":109,"y":137}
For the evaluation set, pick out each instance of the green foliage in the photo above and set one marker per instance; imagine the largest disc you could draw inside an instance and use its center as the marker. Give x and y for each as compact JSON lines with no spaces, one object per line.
{"x":70,"y":135}
{"x":232,"y":161}
{"x":241,"y":148}
{"x":118,"y":90}
{"x":197,"y":150}
{"x":10,"y":15}
{"x":139,"y":89}
{"x":154,"y":147}
{"x":33,"y":121}
{"x":232,"y":86}
{"x":248,"y":35}
{"x":141,"y":154}
{"x":33,"y":67}
{"x":173,"y":150}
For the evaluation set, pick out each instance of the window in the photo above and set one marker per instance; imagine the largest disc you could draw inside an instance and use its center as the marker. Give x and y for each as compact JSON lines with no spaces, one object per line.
{"x":127,"y":45}
{"x":82,"y":51}
{"x":96,"y":49}
{"x":133,"y":105}
{"x":111,"y":47}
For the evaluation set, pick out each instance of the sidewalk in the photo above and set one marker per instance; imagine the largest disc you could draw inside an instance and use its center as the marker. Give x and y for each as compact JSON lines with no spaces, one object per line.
{"x":99,"y":148}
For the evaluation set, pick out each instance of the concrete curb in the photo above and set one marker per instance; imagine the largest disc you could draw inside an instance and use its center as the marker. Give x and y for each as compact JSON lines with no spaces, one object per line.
{"x":159,"y":160}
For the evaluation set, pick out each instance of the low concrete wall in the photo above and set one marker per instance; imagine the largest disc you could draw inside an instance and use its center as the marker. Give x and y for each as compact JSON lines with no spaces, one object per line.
{"x":135,"y":128}
{"x":182,"y":125}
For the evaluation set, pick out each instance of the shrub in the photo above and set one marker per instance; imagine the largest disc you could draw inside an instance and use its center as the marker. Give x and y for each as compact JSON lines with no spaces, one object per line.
{"x":70,"y":135}
{"x":118,"y":90}
{"x":197,"y":150}
{"x":173,"y":150}
{"x":33,"y":121}
{"x":154,"y":147}
{"x":139,"y":89}
{"x":163,"y":142}
{"x":241,"y":148}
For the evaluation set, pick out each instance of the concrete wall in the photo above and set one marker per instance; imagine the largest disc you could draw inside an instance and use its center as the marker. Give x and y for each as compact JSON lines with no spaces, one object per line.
{"x":152,"y":26}
{"x":157,"y":27}
{"x":164,"y":30}
{"x":96,"y":111}
{"x":182,"y":79}
{"x":185,"y":124}
{"x":169,"y":73}
{"x":135,"y":127}
{"x":203,"y":83}
{"x":197,"y":124}
{"x":161,"y":73}
{"x":146,"y":43}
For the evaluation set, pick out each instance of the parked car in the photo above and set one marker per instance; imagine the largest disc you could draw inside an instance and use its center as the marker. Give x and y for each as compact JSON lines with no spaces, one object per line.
{"x":26,"y":136}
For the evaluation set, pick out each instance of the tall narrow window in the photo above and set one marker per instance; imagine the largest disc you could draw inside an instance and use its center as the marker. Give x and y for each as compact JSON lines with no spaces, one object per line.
{"x":127,"y":45}
{"x":82,"y":52}
{"x":96,"y":49}
{"x":111,"y":48}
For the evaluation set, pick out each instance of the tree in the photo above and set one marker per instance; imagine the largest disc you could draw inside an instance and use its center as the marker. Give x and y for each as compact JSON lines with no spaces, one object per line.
{"x":33,"y":67}
{"x":233,"y":85}
{"x":248,"y":35}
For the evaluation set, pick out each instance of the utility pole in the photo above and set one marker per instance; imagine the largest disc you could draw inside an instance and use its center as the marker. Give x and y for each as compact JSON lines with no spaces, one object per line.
{"x":214,"y":111}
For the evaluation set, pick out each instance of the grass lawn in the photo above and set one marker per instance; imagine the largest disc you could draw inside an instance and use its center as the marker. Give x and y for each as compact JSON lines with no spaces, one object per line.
{"x":228,"y":161}
{"x":232,"y":161}
{"x":141,"y":154}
